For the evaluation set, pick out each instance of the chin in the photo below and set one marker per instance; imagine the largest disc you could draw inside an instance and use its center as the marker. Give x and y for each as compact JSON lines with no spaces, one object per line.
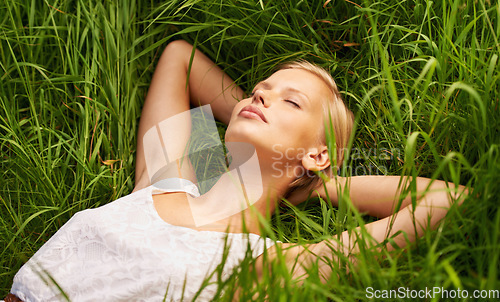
{"x":238,"y":137}
{"x":243,"y":136}
{"x":237,"y":132}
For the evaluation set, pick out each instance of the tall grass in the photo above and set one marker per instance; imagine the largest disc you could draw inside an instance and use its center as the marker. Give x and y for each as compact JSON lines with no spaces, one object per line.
{"x":422,"y":78}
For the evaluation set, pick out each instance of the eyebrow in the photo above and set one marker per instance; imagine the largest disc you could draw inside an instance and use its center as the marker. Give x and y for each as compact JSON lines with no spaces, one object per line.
{"x":263,"y":83}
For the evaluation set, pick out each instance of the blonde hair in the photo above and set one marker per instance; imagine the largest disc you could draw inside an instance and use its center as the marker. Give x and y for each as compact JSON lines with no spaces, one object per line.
{"x":340,"y":117}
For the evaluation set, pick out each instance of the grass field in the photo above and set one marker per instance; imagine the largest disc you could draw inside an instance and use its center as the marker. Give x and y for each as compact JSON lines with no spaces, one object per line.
{"x":422,"y":78}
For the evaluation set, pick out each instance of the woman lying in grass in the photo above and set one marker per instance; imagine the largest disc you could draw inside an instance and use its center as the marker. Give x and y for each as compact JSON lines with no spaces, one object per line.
{"x":164,"y":239}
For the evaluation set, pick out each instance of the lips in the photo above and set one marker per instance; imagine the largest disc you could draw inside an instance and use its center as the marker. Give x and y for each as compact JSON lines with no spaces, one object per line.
{"x":252,"y":112}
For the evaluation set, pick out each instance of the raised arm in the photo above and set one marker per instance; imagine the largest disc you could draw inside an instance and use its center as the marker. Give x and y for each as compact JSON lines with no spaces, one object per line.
{"x":403,"y":227}
{"x":171,"y":92}
{"x":381,"y":196}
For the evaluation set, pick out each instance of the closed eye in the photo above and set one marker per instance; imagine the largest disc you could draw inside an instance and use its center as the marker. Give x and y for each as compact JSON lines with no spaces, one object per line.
{"x":293,"y":103}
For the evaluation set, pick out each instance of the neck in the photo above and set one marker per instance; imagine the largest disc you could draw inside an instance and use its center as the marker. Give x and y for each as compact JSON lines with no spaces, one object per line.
{"x":248,"y":190}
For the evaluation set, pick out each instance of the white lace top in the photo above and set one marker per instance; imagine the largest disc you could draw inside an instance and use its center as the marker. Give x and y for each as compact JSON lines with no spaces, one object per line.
{"x":124,"y":251}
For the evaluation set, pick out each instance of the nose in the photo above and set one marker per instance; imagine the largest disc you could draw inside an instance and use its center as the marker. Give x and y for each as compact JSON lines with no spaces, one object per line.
{"x":259,"y":97}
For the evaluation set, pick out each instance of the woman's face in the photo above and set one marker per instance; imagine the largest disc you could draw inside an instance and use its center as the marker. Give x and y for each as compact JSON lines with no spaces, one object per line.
{"x":283,"y":118}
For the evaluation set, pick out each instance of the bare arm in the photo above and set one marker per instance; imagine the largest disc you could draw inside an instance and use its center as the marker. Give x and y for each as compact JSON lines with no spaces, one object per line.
{"x":403,"y":227}
{"x":378,"y":196}
{"x":171,"y":93}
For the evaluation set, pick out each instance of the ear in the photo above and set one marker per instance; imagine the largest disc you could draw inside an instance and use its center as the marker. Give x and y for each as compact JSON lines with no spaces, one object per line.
{"x":316,"y":159}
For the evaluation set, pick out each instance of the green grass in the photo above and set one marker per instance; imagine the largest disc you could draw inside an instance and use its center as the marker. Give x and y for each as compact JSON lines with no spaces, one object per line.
{"x":422,"y":78}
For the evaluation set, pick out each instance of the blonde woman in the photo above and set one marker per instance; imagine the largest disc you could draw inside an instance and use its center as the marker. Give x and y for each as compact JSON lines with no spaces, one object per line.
{"x":165,"y":238}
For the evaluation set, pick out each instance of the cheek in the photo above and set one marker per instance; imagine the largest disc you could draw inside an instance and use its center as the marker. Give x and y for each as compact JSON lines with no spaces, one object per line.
{"x":292,"y":140}
{"x":303,"y":130}
{"x":311,"y":136}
